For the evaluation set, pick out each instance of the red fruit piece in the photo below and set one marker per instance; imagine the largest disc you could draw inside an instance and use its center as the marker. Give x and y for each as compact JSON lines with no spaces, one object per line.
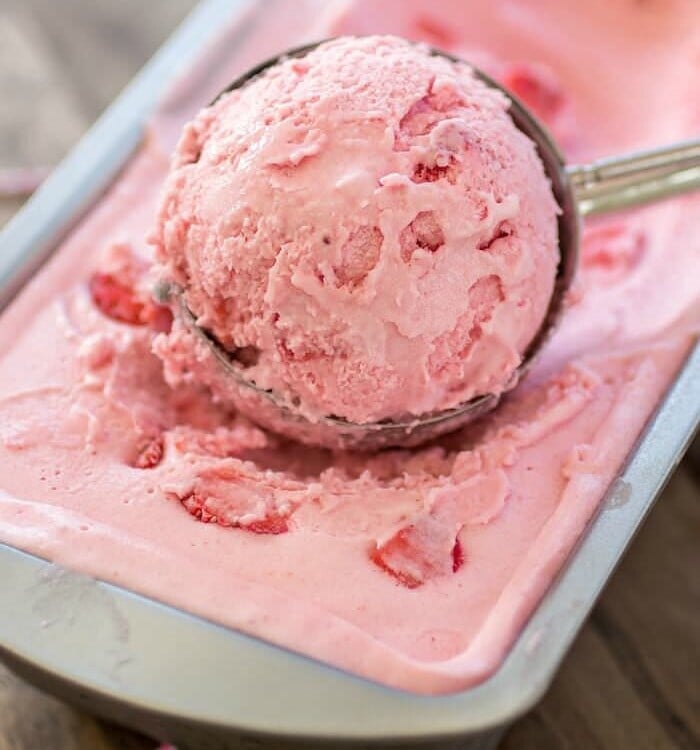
{"x":149,"y":453}
{"x":205,"y":509}
{"x":424,"y":173}
{"x":195,"y":505}
{"x":302,"y":351}
{"x":457,"y":556}
{"x":503,"y":229}
{"x":158,"y":317}
{"x":537,"y":90}
{"x":423,"y":233}
{"x":271,"y":524}
{"x":359,"y":255}
{"x":122,"y":302}
{"x":419,"y":552}
{"x":115,"y":299}
{"x":484,"y":295}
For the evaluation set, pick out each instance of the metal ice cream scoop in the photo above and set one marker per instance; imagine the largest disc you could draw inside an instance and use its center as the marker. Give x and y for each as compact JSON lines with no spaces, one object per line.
{"x":580,"y":190}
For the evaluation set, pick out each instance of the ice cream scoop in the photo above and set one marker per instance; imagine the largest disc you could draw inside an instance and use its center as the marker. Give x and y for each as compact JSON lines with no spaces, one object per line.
{"x":365,"y":409}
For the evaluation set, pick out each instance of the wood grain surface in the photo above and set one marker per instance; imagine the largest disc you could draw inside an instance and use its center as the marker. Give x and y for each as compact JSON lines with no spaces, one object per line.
{"x":632,"y":677}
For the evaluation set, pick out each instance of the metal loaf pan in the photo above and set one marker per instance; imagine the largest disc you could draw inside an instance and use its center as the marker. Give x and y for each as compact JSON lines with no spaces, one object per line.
{"x":201,"y":686}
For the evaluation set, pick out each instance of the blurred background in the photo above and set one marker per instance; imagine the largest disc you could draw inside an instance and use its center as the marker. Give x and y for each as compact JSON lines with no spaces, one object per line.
{"x":631,"y":680}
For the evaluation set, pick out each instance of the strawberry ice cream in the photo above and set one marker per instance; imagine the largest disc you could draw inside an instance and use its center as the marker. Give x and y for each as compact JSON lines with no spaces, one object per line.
{"x":364,"y":229}
{"x":415,"y":568}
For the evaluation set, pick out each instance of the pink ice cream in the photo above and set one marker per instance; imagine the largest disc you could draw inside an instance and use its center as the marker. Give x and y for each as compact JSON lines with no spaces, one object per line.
{"x":415,"y":568}
{"x":364,"y":229}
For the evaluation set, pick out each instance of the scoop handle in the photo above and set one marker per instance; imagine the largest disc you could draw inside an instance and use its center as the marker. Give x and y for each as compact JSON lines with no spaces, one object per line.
{"x":635,"y":179}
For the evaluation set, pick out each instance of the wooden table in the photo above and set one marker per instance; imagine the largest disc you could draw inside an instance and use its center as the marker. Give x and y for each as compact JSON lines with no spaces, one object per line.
{"x":631,"y":679}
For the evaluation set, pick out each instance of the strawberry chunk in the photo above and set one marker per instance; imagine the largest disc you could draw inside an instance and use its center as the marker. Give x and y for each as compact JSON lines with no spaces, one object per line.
{"x":419,"y":552}
{"x":116,"y":300}
{"x":195,"y":505}
{"x":210,"y":509}
{"x":457,"y":556}
{"x":158,"y":317}
{"x":423,"y":233}
{"x":150,"y":453}
{"x":123,"y":303}
{"x":424,"y":173}
{"x":359,"y":255}
{"x":271,"y":524}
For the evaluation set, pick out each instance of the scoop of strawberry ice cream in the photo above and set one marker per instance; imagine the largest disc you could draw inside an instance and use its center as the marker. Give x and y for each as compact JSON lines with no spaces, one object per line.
{"x":364,"y":229}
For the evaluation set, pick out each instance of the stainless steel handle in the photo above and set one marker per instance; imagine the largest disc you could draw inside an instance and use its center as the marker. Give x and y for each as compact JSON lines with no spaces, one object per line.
{"x":635,"y":179}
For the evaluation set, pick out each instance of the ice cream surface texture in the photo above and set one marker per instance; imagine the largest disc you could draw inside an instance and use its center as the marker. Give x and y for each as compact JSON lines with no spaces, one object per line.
{"x":364,"y":229}
{"x":415,"y":568}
